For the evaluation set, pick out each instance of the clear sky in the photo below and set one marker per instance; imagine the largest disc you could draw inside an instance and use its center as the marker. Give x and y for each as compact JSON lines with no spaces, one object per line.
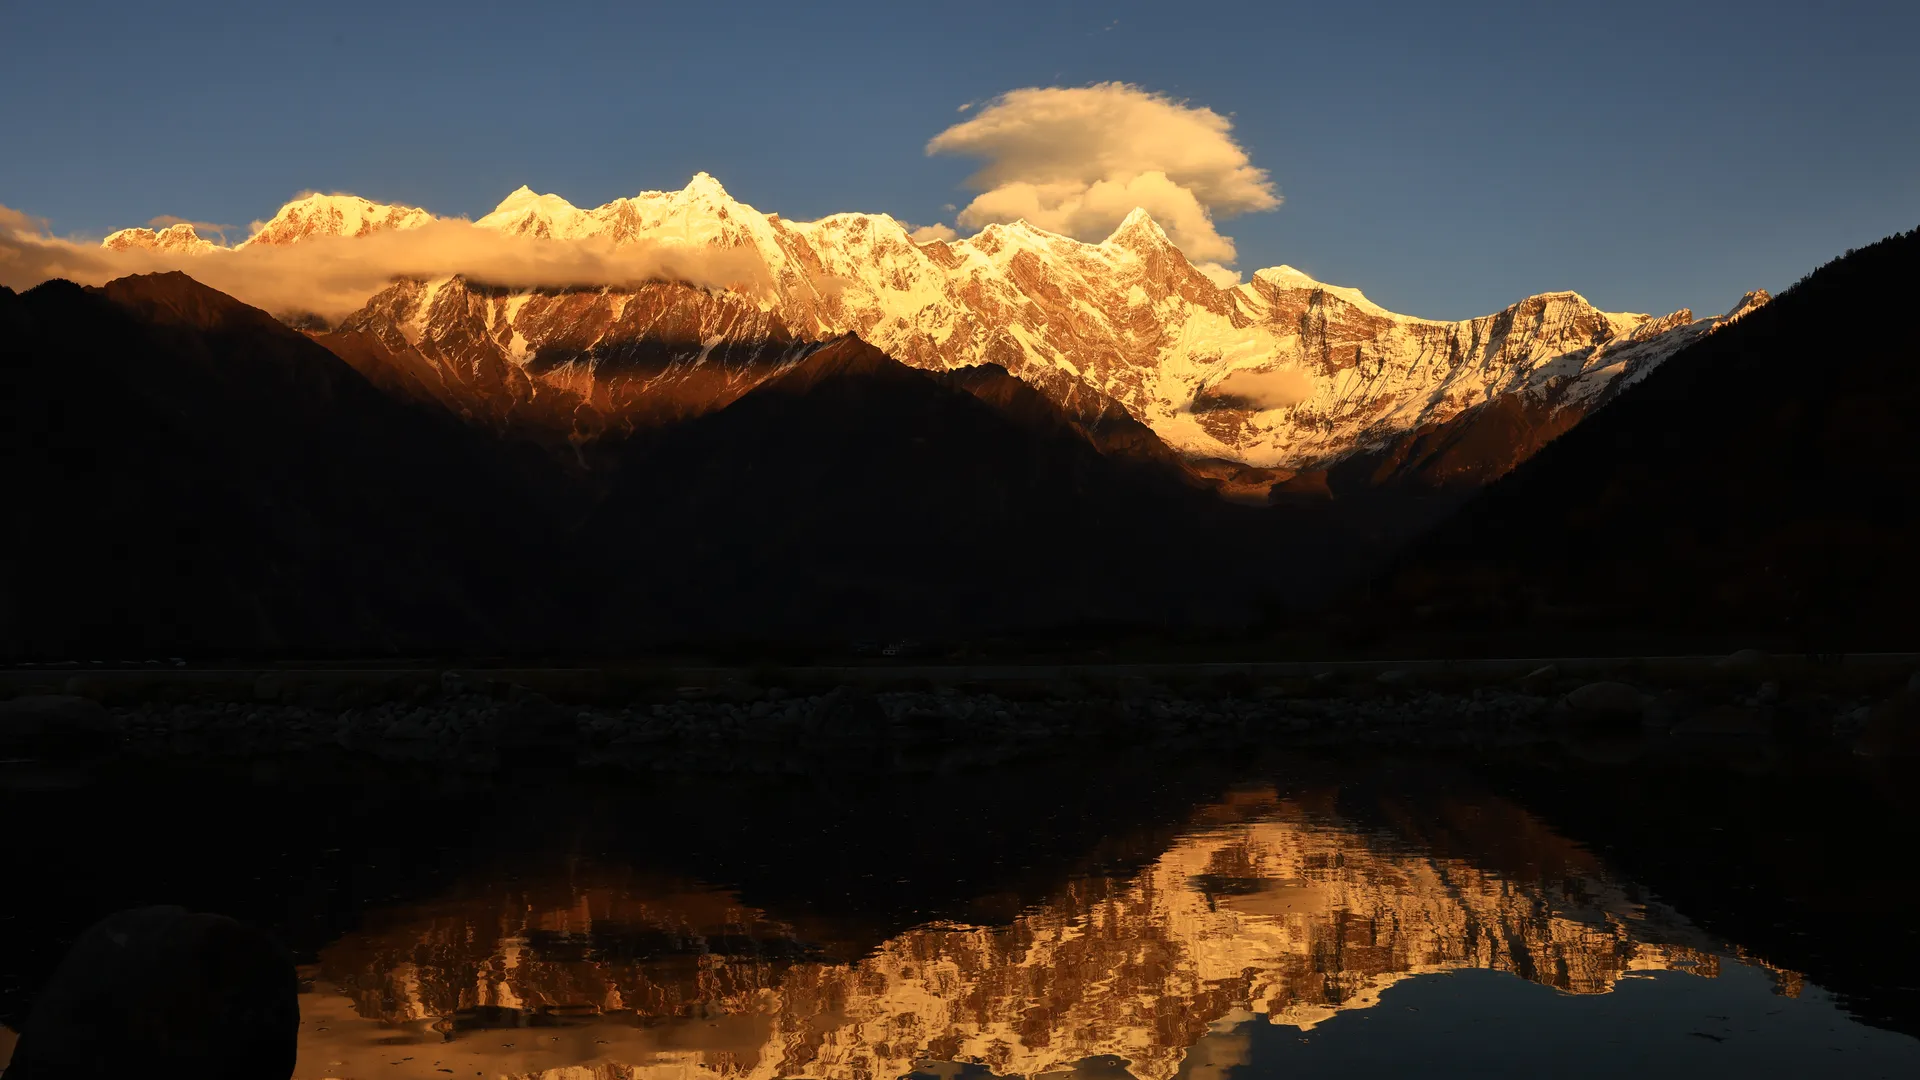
{"x":1447,"y":158}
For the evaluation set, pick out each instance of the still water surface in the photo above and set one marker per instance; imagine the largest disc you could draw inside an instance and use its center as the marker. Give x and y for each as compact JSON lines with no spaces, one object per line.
{"x":1345,"y":922}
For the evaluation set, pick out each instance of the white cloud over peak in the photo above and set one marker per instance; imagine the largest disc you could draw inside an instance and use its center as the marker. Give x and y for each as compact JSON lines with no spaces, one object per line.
{"x":935,"y":231}
{"x":1077,"y":160}
{"x":167,"y":220}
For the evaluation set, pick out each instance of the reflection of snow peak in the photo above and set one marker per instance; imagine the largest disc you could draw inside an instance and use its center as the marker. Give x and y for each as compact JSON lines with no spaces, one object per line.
{"x":1263,"y":915}
{"x":1129,"y":318}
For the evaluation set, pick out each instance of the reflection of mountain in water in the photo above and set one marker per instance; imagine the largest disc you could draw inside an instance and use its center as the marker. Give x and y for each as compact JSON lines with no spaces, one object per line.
{"x":1266,"y":907}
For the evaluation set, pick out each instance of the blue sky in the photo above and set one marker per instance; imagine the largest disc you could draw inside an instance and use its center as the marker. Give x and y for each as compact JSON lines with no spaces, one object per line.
{"x":1446,"y":158}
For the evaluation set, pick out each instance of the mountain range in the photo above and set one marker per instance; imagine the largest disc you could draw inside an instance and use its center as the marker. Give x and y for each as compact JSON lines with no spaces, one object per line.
{"x":1012,"y":434}
{"x":1273,"y":377}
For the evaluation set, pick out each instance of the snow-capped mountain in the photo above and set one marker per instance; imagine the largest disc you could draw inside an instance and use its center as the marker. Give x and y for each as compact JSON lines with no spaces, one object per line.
{"x":304,"y":218}
{"x":334,"y":215}
{"x":1282,"y":371}
{"x":174,"y":238}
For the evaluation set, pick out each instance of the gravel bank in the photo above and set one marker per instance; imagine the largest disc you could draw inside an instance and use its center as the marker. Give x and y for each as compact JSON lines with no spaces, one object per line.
{"x":490,"y":727}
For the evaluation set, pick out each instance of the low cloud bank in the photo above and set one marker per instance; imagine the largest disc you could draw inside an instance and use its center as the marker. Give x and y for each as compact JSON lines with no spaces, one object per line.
{"x":1278,"y":389}
{"x":334,"y":276}
{"x":935,"y":231}
{"x":1077,"y":160}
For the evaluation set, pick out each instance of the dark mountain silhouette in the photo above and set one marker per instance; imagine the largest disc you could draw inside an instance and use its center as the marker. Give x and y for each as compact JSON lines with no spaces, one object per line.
{"x":1759,"y":487}
{"x":190,"y":477}
{"x":197,"y":479}
{"x":855,"y":495}
{"x":1100,"y":420}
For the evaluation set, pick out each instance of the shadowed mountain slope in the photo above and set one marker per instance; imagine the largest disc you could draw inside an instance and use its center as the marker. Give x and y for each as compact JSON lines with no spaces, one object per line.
{"x":191,"y":477}
{"x":855,"y":495}
{"x":1759,"y":487}
{"x":199,"y":480}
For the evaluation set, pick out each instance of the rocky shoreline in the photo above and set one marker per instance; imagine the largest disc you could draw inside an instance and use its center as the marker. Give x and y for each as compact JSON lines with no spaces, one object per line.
{"x":473,"y":725}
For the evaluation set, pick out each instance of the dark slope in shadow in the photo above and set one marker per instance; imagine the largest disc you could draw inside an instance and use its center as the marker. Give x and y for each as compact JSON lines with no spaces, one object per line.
{"x":1758,"y":488}
{"x":189,"y":477}
{"x":198,"y":480}
{"x":855,"y":495}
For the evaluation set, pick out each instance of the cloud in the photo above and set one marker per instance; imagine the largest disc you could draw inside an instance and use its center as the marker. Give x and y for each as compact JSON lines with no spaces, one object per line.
{"x":1277,"y":389}
{"x":334,"y":276}
{"x":165,"y":220}
{"x":1222,"y":276}
{"x":1077,"y":160}
{"x":15,"y":222}
{"x":935,"y":231}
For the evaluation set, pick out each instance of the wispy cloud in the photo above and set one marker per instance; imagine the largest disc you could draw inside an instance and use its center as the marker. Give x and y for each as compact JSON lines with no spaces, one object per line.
{"x":1277,"y":389}
{"x":168,"y":220}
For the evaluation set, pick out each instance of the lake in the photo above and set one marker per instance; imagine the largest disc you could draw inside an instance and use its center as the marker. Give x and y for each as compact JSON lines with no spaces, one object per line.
{"x":1099,"y":914}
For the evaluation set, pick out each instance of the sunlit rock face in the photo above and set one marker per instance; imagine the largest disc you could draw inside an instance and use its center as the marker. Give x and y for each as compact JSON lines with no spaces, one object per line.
{"x":312,"y":216}
{"x":578,"y":363}
{"x":1128,"y":319}
{"x":181,"y":238}
{"x":1266,"y":909}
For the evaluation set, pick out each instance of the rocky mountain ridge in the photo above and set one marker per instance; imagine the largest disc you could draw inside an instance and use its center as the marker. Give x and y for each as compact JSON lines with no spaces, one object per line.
{"x":1281,"y":371}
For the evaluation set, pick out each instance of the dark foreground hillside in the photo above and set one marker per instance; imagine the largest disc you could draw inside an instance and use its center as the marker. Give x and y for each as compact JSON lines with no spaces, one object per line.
{"x":855,"y":496}
{"x":1761,"y":487}
{"x":189,"y":477}
{"x":192,"y":478}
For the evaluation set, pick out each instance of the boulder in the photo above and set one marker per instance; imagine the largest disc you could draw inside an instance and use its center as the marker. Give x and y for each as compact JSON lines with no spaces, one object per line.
{"x":270,"y":687}
{"x":1606,"y":701}
{"x":164,"y":992}
{"x":56,"y":725}
{"x":87,"y":686}
{"x":1745,"y":662}
{"x":1892,"y":728}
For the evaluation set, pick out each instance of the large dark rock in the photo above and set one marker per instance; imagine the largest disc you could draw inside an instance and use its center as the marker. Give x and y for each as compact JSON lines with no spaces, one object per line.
{"x":162,"y":992}
{"x":55,"y":725}
{"x":1605,"y":703}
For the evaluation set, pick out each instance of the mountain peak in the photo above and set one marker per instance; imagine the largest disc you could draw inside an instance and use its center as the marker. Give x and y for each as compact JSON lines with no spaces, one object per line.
{"x":174,"y":298}
{"x":845,"y":356}
{"x":1138,"y":229}
{"x":1288,"y":277}
{"x":314,"y":215}
{"x":1748,"y":304}
{"x":525,"y":198}
{"x":703,"y":185}
{"x":181,"y":237}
